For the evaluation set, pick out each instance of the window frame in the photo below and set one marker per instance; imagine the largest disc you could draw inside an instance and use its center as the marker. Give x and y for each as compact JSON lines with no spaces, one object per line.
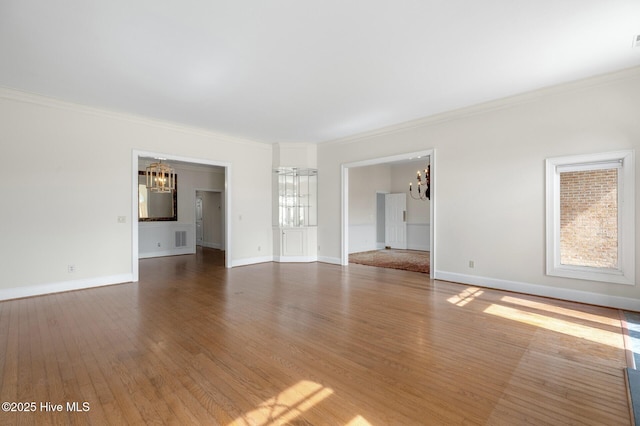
{"x":625,"y":160}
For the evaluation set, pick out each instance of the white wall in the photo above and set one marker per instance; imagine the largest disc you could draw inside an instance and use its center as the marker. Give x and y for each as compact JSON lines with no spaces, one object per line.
{"x":489,"y":180}
{"x":67,"y":176}
{"x":364,"y":182}
{"x":156,"y":239}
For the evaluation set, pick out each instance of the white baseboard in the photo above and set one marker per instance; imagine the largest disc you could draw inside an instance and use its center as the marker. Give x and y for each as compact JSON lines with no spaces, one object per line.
{"x":286,"y":259}
{"x":251,"y":261}
{"x":40,"y":289}
{"x":170,"y":252}
{"x":210,"y":245}
{"x":295,"y":259}
{"x":541,"y":290}
{"x":332,"y":260}
{"x":418,"y":247}
{"x":363,"y":249}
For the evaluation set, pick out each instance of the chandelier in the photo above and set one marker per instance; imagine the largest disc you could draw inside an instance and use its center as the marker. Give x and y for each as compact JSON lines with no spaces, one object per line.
{"x":423,"y":194}
{"x":160,"y":178}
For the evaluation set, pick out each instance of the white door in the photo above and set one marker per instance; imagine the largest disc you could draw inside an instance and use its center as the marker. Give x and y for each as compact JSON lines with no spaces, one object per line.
{"x":396,"y":220}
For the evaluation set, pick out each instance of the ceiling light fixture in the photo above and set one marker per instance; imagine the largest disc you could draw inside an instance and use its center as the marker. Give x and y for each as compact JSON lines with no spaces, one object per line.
{"x":160,"y":178}
{"x":425,"y":194}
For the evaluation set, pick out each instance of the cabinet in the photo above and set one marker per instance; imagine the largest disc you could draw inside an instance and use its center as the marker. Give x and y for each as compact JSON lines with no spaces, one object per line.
{"x":297,"y":192}
{"x":295,"y":232}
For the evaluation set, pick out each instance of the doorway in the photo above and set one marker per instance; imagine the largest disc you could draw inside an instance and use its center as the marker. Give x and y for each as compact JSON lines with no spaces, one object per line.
{"x":380,"y":220}
{"x":426,"y":231}
{"x":209,"y":219}
{"x":195,"y":162}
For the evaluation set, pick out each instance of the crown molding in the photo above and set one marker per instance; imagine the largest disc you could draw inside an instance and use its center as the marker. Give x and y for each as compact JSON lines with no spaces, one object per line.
{"x":494,"y":105}
{"x":41,"y":100}
{"x":457,"y":114}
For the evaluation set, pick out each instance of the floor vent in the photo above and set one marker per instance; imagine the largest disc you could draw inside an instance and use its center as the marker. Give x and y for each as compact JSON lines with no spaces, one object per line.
{"x":181,"y":238}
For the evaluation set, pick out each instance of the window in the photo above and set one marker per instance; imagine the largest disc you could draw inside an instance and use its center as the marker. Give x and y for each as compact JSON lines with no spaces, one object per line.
{"x":590,"y":217}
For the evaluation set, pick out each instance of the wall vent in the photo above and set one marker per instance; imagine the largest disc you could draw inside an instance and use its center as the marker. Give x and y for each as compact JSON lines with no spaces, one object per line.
{"x":181,"y":238}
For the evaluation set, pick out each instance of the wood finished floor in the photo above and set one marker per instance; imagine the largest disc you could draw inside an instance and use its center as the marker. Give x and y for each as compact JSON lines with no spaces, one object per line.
{"x":308,"y":344}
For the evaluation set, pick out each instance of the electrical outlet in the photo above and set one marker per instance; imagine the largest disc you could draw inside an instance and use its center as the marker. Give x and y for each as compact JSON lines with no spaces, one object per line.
{"x":259,"y":248}
{"x":158,"y":244}
{"x":122,"y":219}
{"x":71,"y":269}
{"x":471,"y":264}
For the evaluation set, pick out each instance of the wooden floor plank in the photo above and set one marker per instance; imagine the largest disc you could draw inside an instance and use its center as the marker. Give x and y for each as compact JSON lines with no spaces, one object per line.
{"x":312,"y":344}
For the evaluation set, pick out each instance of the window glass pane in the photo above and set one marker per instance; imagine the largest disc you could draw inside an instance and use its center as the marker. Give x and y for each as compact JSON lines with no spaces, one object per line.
{"x":589,"y":218}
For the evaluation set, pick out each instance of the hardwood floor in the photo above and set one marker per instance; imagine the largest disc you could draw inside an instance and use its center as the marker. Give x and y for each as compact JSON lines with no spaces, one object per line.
{"x":308,"y":344}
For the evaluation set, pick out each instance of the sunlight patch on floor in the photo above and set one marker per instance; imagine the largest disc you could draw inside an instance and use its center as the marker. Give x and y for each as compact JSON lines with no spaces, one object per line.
{"x":560,"y":326}
{"x":286,"y":406}
{"x":465,"y":296}
{"x":358,"y":421}
{"x":560,"y":310}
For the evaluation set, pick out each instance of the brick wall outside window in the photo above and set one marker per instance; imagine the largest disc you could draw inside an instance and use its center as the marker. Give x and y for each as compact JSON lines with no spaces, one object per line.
{"x":589,"y":218}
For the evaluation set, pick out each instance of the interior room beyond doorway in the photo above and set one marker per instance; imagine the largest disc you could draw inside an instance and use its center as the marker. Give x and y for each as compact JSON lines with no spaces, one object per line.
{"x":388,"y":226}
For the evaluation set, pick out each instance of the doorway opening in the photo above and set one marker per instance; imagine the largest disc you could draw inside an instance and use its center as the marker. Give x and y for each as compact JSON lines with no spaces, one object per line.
{"x":381,"y":207}
{"x":378,"y":213}
{"x":209,"y":219}
{"x":190,"y":179}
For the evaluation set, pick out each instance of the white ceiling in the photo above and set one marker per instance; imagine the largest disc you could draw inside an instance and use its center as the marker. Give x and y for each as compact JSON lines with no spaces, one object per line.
{"x":303,"y":71}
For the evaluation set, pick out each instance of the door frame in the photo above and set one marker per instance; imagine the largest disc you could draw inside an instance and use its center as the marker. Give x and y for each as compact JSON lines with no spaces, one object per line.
{"x":135,"y":157}
{"x":378,"y":193}
{"x":202,"y":217}
{"x":344,"y":252}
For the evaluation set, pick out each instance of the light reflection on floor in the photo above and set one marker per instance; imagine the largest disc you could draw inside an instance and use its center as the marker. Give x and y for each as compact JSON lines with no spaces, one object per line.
{"x":358,"y":421}
{"x":558,"y":325}
{"x":549,"y":322}
{"x":286,"y":406}
{"x":465,"y":296}
{"x":560,"y":310}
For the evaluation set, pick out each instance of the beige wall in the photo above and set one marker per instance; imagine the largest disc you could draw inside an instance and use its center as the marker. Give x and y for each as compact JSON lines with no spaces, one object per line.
{"x":364,"y":182}
{"x":489,"y":179}
{"x":67,"y":175}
